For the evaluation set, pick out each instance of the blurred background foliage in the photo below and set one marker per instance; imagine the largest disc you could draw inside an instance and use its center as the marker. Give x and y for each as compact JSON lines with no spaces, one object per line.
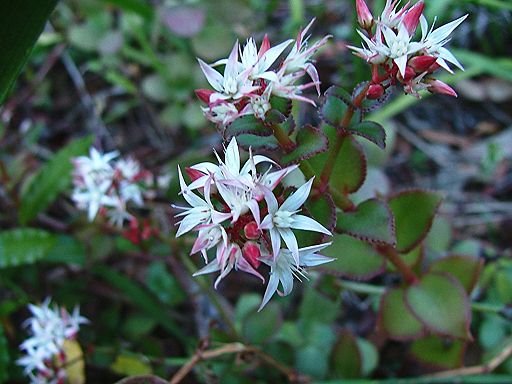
{"x":122,"y":74}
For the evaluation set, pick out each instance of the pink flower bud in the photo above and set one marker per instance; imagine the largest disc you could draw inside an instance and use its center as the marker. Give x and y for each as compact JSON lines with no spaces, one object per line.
{"x":194,"y":174}
{"x":204,"y":95}
{"x":251,"y":231}
{"x":265,"y":46}
{"x":409,"y":73}
{"x":251,"y":253}
{"x":421,"y":63}
{"x":437,"y":86}
{"x":412,"y":18}
{"x":364,"y":16}
{"x":375,"y":91}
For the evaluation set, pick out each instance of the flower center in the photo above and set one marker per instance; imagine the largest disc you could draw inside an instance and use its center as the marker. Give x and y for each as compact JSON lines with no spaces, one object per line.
{"x":398,"y":48}
{"x":283,"y":219}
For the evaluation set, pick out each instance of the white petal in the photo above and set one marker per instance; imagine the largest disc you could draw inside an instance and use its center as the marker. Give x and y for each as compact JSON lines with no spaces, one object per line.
{"x":291,"y":242}
{"x":296,"y":200}
{"x":308,"y":224}
{"x":401,"y":63}
{"x":209,"y":268}
{"x":213,"y":77}
{"x":271,"y":289}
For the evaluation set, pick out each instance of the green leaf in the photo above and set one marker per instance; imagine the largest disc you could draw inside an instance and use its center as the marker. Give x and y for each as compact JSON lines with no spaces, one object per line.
{"x":349,"y":169}
{"x":66,"y":250}
{"x":135,"y":294}
{"x":369,"y":354}
{"x":465,"y":269}
{"x":371,"y":222}
{"x":322,"y":209}
{"x":354,"y":258}
{"x":414,"y":211}
{"x":333,"y":111}
{"x":310,"y":141}
{"x":281,"y":104}
{"x":339,"y":93}
{"x":51,"y":179}
{"x":438,"y":352}
{"x":247,"y":140}
{"x":370,"y":130}
{"x":143,"y":379}
{"x":441,"y":304}
{"x":130,"y":365}
{"x":258,"y":327}
{"x":248,"y":124}
{"x":4,"y":357}
{"x":346,"y":359}
{"x":395,"y":319}
{"x":24,"y":246}
{"x":21,"y":23}
{"x":163,"y":284}
{"x":140,"y":7}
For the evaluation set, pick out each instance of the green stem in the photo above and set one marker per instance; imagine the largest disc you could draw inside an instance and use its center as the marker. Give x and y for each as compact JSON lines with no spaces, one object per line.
{"x":211,"y":295}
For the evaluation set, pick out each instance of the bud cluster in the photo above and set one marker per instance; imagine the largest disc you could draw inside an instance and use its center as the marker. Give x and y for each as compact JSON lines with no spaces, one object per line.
{"x":45,"y":358}
{"x":106,"y":186}
{"x":395,"y":58}
{"x":248,"y":81}
{"x":238,"y":212}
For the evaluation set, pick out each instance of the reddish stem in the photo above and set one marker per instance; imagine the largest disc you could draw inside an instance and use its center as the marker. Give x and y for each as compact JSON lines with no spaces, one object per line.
{"x":392,"y":255}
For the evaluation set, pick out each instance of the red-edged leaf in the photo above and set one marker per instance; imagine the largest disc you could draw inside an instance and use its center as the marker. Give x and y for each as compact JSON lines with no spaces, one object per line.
{"x":346,"y":359}
{"x":466,"y":269}
{"x":355,"y":259}
{"x":247,"y":124}
{"x":350,"y":169}
{"x":414,"y":211}
{"x":310,"y":142}
{"x":436,"y":352}
{"x":395,"y":319}
{"x":439,"y":301}
{"x":247,"y":140}
{"x":371,"y":222}
{"x":371,"y":131}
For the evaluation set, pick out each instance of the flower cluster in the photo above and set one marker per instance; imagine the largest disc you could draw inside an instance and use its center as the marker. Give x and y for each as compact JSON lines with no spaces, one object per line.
{"x":248,"y":82}
{"x":235,"y":210}
{"x":45,"y":357}
{"x":395,"y":57}
{"x":106,"y":186}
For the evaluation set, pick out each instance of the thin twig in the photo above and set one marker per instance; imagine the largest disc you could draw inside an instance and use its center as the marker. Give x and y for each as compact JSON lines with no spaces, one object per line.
{"x":202,"y":355}
{"x":488,"y":367}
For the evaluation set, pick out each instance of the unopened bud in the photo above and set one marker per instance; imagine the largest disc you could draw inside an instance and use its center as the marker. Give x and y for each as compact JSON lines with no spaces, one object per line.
{"x":421,"y":63}
{"x":204,"y":95}
{"x":412,"y":18}
{"x":374,"y":91}
{"x":251,"y":253}
{"x":251,"y":231}
{"x":437,"y":86}
{"x":194,"y":174}
{"x":364,"y":16}
{"x":408,"y":74}
{"x":265,"y":46}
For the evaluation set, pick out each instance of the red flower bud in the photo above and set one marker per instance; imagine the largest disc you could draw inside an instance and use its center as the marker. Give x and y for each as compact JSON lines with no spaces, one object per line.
{"x":251,"y":231}
{"x":265,"y":46}
{"x":364,"y":16}
{"x":375,"y":91}
{"x":437,"y":86}
{"x":412,"y":17}
{"x":204,"y":95}
{"x":251,"y":253}
{"x":421,"y":63}
{"x":194,"y":174}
